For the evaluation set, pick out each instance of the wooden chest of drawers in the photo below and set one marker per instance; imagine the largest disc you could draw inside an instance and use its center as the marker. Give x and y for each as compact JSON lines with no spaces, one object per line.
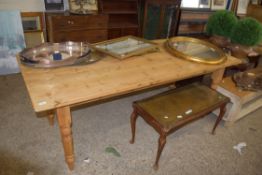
{"x":91,"y":28}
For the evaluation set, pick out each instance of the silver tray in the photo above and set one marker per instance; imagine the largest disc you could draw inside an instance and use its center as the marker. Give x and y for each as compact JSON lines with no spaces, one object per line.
{"x":49,"y":55}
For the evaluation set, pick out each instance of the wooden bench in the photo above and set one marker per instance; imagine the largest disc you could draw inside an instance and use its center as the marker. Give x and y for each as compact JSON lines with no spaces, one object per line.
{"x":168,"y":111}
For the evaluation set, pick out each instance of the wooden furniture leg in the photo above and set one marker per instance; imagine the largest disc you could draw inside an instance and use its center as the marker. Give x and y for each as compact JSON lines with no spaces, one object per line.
{"x":65,"y":124}
{"x":217,"y":77}
{"x":220,"y":116}
{"x":133,"y":118}
{"x":51,"y":119}
{"x":161,"y":144}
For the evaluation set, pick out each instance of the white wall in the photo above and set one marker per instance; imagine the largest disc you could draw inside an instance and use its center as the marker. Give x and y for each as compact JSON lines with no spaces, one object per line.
{"x":23,"y":5}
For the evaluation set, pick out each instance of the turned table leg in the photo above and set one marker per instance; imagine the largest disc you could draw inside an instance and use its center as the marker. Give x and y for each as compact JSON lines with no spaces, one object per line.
{"x":65,"y":124}
{"x":51,"y":119}
{"x":217,"y":76}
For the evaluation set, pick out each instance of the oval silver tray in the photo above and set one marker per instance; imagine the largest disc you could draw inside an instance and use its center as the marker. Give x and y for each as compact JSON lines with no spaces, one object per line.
{"x":49,"y":55}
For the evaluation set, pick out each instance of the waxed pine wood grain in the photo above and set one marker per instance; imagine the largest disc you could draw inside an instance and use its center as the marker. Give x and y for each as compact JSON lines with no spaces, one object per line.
{"x":69,"y":86}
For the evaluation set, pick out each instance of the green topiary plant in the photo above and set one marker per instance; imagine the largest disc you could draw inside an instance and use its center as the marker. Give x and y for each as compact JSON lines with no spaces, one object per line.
{"x":221,"y":23}
{"x":247,"y":31}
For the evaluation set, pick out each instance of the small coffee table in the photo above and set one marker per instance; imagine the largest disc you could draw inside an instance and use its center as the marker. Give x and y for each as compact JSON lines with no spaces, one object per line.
{"x":169,"y":111}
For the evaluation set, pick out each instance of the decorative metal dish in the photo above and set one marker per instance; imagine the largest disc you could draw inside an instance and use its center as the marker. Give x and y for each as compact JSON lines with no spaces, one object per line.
{"x":195,"y":50}
{"x":125,"y":47}
{"x":48,"y":55}
{"x":249,"y":80}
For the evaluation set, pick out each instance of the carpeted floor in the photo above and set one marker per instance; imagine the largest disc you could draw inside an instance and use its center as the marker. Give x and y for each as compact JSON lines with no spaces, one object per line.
{"x":29,"y":146}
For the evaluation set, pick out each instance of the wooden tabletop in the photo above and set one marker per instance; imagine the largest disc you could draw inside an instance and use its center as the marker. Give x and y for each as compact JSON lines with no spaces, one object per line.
{"x":69,"y":86}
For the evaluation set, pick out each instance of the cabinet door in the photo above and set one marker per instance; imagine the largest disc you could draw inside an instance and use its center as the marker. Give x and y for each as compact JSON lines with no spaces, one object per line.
{"x":114,"y":33}
{"x":130,"y":31}
{"x":161,"y":18}
{"x":119,"y":32}
{"x":91,"y":36}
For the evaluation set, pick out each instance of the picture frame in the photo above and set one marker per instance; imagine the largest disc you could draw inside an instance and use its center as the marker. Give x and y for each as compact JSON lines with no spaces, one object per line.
{"x":33,"y":26}
{"x":32,"y":21}
{"x":204,"y":4}
{"x":83,"y":6}
{"x":256,"y":2}
{"x":125,"y":47}
{"x":54,"y":5}
{"x":218,"y":4}
{"x":242,"y":7}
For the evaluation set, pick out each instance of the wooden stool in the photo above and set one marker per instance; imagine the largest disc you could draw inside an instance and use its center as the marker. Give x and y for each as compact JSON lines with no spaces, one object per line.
{"x":168,"y":111}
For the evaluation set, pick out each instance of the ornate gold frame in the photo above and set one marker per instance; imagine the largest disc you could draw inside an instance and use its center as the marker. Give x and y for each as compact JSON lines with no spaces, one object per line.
{"x":36,"y":35}
{"x":152,"y":48}
{"x":179,"y":54}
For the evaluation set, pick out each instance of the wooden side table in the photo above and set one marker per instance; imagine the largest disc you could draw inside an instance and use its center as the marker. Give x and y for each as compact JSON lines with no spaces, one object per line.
{"x":169,"y":111}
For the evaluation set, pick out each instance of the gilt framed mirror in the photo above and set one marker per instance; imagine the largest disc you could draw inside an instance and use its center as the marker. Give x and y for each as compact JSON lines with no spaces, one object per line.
{"x":195,"y":50}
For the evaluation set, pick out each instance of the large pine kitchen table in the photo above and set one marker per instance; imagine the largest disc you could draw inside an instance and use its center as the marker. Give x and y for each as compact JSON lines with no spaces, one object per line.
{"x":57,"y":90}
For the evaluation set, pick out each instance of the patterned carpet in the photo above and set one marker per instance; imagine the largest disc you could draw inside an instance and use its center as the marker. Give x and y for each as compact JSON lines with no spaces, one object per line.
{"x":28,"y":145}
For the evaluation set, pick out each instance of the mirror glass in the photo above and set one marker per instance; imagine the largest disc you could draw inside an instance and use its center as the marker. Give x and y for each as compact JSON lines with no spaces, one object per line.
{"x":195,"y":50}
{"x":126,"y":46}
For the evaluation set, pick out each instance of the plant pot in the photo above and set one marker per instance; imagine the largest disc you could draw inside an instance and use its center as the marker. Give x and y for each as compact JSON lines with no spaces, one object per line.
{"x":241,"y":51}
{"x":220,"y":41}
{"x":245,"y":54}
{"x":258,"y":48}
